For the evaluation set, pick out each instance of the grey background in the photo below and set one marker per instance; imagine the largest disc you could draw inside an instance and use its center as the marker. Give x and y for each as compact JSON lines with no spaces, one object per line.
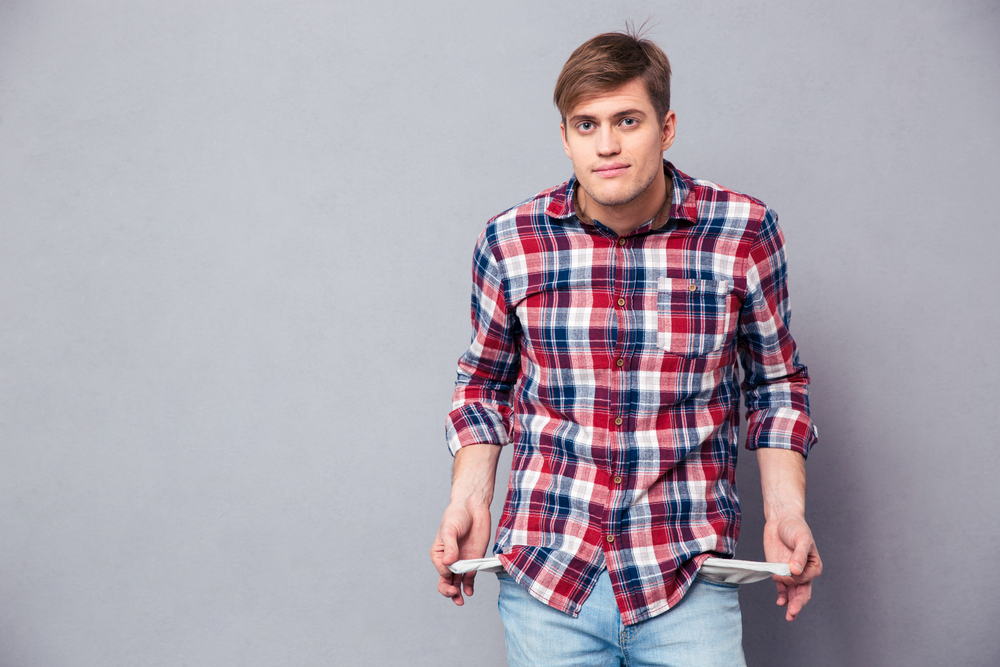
{"x":234,"y":264}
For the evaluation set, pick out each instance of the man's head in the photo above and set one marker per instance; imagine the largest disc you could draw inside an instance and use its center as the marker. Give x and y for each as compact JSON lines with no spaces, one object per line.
{"x":614,"y":96}
{"x":607,"y":62}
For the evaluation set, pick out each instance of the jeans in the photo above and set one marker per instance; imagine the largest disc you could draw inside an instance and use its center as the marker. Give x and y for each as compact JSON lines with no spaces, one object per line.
{"x":704,"y":630}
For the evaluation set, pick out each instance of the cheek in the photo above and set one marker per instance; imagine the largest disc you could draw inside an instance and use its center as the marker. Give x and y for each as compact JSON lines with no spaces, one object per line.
{"x":652,"y":155}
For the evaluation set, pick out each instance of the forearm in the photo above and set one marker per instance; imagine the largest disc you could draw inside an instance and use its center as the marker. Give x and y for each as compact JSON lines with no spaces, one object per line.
{"x":787,"y":537}
{"x":474,"y":475}
{"x":782,"y":482}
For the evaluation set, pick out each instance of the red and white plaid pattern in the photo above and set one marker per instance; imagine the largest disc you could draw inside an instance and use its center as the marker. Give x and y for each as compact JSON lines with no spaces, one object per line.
{"x":611,"y":365}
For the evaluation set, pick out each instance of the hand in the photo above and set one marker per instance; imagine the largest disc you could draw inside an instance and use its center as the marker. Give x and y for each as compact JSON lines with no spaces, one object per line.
{"x":789,"y":540}
{"x":464,"y":534}
{"x":465,"y":526}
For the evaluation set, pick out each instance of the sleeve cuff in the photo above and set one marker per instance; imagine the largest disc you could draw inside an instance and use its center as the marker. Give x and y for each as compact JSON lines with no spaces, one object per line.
{"x":476,"y":424}
{"x":782,"y":428}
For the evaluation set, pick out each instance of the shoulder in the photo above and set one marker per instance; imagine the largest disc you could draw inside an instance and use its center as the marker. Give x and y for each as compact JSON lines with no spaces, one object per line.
{"x":531,"y":219}
{"x":705,"y":201}
{"x":723,"y":213}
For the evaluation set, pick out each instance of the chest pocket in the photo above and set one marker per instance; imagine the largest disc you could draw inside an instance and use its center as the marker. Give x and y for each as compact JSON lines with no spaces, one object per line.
{"x":693,"y":316}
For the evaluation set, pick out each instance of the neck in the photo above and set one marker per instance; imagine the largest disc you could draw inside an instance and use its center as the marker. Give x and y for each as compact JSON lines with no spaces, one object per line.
{"x":626,"y":218}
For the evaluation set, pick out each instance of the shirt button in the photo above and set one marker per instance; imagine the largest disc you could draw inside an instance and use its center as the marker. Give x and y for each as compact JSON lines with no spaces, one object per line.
{"x":621,"y":241}
{"x":618,"y":479}
{"x":618,"y":421}
{"x":620,"y":363}
{"x":611,"y":538}
{"x":692,"y":287}
{"x":621,"y":302}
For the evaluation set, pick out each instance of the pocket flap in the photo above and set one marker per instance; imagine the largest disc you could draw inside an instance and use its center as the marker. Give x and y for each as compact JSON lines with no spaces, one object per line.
{"x":695,"y":286}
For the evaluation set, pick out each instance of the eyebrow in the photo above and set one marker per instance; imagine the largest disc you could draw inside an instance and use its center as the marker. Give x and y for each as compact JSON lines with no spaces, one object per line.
{"x":579,"y":118}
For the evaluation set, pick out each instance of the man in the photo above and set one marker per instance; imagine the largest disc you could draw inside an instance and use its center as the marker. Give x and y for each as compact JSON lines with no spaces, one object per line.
{"x":609,"y":314}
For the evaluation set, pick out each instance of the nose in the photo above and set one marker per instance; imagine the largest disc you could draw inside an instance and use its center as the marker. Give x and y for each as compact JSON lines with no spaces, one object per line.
{"x":607,"y":141}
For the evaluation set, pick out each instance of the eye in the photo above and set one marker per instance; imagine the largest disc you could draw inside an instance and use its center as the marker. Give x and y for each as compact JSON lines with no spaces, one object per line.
{"x":629,"y":122}
{"x":585,"y":126}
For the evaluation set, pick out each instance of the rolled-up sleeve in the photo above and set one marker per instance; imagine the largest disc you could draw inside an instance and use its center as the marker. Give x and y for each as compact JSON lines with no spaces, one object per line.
{"x":488,"y":369}
{"x":775,"y":384}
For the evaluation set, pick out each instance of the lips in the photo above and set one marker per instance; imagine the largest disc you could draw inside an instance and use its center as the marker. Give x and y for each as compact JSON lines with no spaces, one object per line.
{"x":610,"y":170}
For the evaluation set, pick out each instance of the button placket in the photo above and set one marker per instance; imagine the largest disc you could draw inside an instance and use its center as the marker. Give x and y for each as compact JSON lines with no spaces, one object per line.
{"x":624,"y":289}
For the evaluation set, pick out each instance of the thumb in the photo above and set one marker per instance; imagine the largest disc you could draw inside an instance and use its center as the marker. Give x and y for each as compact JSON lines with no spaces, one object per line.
{"x":449,"y":543}
{"x":797,"y":563}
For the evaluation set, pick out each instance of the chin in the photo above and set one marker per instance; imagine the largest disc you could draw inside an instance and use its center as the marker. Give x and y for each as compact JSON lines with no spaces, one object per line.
{"x":614,"y":196}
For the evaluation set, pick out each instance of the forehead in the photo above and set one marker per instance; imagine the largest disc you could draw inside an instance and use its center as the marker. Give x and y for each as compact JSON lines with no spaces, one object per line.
{"x":628,"y":96}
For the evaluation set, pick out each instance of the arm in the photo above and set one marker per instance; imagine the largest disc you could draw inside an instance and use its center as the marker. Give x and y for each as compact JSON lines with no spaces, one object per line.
{"x":465,"y":526}
{"x":787,"y":538}
{"x":477,"y":426}
{"x":778,"y":422}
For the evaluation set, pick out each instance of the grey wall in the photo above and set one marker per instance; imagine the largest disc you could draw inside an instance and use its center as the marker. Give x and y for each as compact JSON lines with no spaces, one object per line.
{"x":234,"y":256}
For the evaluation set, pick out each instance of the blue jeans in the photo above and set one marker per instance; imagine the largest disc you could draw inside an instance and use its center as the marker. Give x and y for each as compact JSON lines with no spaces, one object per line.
{"x":704,"y":630}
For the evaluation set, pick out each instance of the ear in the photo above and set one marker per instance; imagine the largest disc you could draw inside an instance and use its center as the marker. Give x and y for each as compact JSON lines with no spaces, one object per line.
{"x":669,"y":129}
{"x":562,"y":131}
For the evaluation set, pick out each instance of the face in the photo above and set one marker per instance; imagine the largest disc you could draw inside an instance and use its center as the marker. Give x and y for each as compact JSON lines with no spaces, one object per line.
{"x":616,"y":143}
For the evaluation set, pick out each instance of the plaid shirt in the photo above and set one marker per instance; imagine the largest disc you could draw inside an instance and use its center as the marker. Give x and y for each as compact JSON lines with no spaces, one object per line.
{"x":610,"y":363}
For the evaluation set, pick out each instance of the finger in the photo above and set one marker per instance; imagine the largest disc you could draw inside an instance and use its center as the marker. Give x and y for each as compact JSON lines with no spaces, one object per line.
{"x":469,"y":582}
{"x":803,"y":592}
{"x":438,"y":559}
{"x":814,"y":567}
{"x":789,"y":599}
{"x":782,"y":592}
{"x":448,"y":588}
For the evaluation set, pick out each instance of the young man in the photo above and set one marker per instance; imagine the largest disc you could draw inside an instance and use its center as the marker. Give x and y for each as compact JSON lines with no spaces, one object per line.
{"x":609,"y":315}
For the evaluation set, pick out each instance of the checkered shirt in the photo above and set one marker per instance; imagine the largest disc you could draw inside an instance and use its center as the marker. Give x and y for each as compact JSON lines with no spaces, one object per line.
{"x":610,"y":364}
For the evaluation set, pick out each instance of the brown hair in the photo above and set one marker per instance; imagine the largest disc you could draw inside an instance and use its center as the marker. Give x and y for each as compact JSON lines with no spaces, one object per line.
{"x":608,"y":61}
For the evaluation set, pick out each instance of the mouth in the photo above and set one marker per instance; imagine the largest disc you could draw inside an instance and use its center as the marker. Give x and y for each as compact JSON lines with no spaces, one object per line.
{"x":610,"y":170}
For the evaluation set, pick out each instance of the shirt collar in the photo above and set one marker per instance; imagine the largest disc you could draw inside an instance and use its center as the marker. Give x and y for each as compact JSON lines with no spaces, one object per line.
{"x":680,"y":204}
